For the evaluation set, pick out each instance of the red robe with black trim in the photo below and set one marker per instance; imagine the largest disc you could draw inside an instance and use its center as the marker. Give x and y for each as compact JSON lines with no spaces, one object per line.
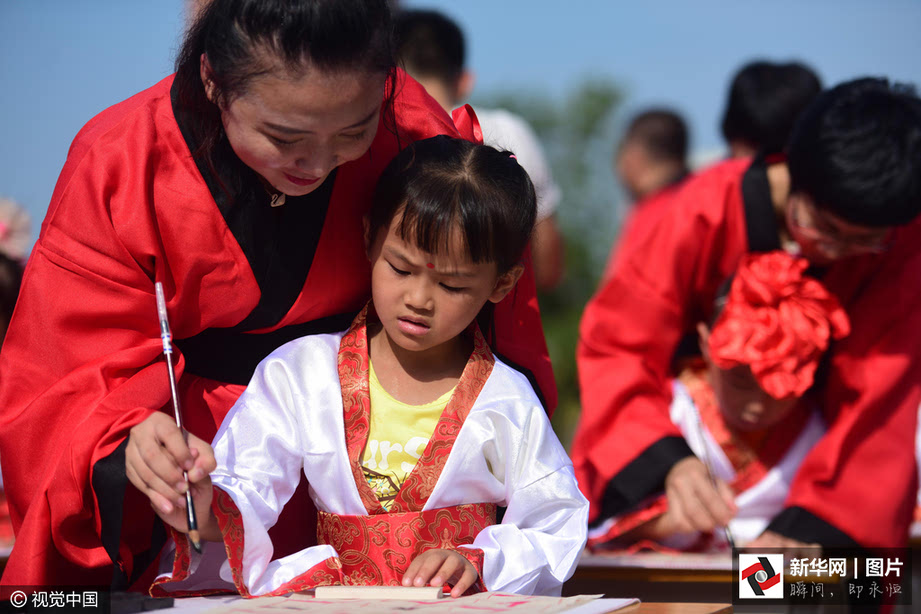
{"x":858,"y":484}
{"x":82,"y":361}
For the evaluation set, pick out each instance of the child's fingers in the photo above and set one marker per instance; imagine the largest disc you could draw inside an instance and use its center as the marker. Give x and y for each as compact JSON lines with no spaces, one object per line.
{"x":704,"y":506}
{"x":676,"y":520}
{"x":411,"y":571}
{"x":450,"y":568}
{"x":691,"y":493}
{"x":716,"y":512}
{"x":466,"y":581}
{"x":728,"y":496}
{"x":417,"y":567}
{"x":429,"y":566}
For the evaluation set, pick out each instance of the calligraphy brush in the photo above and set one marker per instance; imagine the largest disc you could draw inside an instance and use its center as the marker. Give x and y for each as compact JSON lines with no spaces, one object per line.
{"x":167,"y":338}
{"x":706,"y":459}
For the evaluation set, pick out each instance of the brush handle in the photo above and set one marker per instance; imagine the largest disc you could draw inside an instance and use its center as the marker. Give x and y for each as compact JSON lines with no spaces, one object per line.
{"x":166,"y":337}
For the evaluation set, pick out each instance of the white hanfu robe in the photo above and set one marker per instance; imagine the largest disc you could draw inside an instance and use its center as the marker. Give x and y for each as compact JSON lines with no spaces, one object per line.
{"x":493,"y":446}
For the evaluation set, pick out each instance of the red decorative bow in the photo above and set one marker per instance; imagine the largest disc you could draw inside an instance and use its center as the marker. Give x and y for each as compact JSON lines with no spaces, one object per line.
{"x":777,"y":322}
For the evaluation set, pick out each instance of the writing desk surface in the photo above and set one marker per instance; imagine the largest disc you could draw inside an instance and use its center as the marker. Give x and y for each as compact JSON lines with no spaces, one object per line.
{"x":204,"y":605}
{"x":678,"y":608}
{"x":655,"y":577}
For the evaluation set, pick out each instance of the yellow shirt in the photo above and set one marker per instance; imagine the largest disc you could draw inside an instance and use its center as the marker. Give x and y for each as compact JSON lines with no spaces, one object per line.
{"x":397,"y":436}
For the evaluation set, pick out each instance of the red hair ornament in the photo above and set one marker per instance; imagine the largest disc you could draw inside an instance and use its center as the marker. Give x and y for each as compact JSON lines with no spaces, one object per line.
{"x":777,"y":322}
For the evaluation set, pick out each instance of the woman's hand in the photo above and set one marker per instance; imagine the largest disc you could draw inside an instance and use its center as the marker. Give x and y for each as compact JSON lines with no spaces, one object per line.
{"x":202,"y":494}
{"x":439,"y":567}
{"x":157,"y":455}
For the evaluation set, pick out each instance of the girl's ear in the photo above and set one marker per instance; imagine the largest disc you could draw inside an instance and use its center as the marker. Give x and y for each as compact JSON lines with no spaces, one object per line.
{"x":206,"y":80}
{"x":506,"y":282}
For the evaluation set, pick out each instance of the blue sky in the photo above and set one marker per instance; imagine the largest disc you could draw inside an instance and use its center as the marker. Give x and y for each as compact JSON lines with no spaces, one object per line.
{"x":65,"y":60}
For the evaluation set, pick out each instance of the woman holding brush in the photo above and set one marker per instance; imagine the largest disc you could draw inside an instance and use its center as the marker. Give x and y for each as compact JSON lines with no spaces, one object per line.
{"x":240,"y":183}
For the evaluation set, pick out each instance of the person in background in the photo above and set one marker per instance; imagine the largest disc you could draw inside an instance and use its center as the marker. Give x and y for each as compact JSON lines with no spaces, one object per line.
{"x":653,"y":153}
{"x":765,"y":98}
{"x":240,"y":184}
{"x":432,"y":49}
{"x":847,"y":198}
{"x":650,"y":163}
{"x":15,"y":241}
{"x":744,"y":408}
{"x":15,"y":236}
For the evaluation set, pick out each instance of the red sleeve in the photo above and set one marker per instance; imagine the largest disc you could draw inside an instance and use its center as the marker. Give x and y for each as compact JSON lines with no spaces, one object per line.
{"x":325,"y":573}
{"x":626,"y":523}
{"x":79,"y":368}
{"x":661,"y":286}
{"x":859,"y":483}
{"x":82,"y":361}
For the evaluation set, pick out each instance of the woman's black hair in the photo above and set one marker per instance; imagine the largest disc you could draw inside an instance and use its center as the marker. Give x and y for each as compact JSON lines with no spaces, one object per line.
{"x":440,"y":183}
{"x":243,"y":39}
{"x":856,"y":152}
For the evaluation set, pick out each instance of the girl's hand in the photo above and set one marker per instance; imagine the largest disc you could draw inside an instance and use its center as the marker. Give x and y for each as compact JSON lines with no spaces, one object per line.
{"x":694,"y":504}
{"x":439,"y":567}
{"x":155,"y":458}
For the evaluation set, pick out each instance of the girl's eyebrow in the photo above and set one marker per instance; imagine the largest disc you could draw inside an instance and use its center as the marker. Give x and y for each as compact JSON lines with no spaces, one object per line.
{"x":457,"y":273}
{"x":393,"y":253}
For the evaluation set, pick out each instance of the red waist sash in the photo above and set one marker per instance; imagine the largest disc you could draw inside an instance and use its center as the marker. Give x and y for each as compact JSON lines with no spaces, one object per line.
{"x":377,"y":549}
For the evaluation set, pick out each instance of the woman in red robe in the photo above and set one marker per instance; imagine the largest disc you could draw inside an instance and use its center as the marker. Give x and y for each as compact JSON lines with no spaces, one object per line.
{"x":240,"y":183}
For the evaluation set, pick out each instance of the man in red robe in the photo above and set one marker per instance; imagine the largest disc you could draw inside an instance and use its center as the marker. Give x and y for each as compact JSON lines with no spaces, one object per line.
{"x":847,"y":198}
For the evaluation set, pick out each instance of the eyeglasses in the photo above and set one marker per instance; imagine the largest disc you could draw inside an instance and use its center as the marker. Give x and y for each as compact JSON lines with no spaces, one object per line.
{"x":812,"y":225}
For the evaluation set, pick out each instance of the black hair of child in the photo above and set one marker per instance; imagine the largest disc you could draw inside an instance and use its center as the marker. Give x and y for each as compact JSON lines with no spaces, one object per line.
{"x":662,"y":132}
{"x":440,"y":183}
{"x":765,"y":98}
{"x":856,"y":152}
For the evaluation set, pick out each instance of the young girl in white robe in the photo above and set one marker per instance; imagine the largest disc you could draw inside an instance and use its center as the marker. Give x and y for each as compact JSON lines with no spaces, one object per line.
{"x":410,"y":432}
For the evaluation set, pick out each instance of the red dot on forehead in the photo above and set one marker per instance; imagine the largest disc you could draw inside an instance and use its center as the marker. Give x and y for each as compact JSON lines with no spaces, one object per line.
{"x":430,"y":265}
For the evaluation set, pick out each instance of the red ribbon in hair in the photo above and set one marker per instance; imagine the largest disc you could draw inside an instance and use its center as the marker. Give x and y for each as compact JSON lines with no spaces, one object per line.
{"x":777,"y":322}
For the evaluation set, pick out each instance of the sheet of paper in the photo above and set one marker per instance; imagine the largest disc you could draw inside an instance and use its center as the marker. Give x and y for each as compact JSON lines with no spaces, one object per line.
{"x":483,"y":603}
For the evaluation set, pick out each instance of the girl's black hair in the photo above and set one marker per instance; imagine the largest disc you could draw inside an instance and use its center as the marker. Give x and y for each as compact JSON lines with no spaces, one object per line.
{"x":440,"y":183}
{"x":243,"y":39}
